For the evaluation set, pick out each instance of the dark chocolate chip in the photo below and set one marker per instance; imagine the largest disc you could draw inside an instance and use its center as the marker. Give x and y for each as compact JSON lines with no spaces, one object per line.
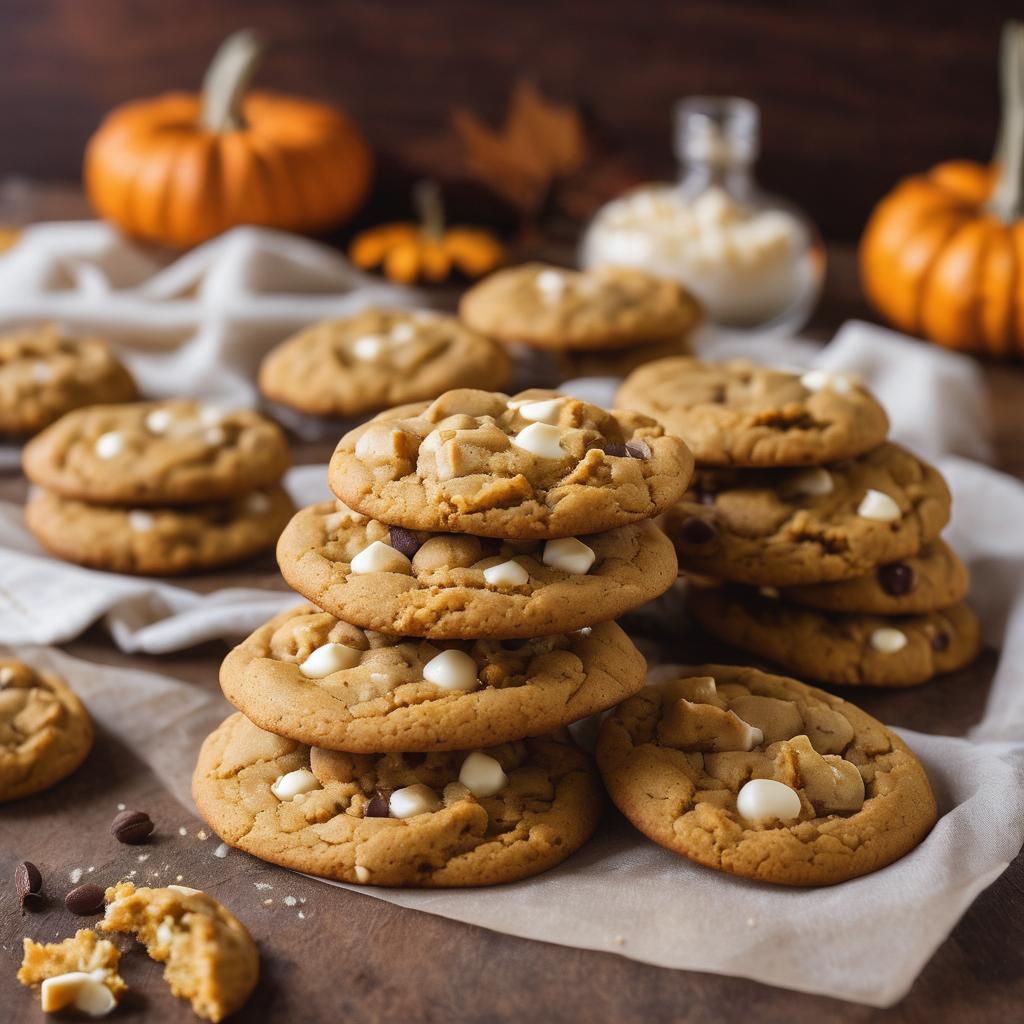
{"x":377,"y":807}
{"x":896,"y":579}
{"x":404,"y":540}
{"x":696,"y":531}
{"x":638,"y":449}
{"x":28,"y":881}
{"x":131,"y":827}
{"x":940,"y":641}
{"x":85,"y":900}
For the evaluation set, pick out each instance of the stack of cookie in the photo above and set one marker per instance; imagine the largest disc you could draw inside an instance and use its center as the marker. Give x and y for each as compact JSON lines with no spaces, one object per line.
{"x":157,"y":488}
{"x":824,"y":534}
{"x":409,"y":726}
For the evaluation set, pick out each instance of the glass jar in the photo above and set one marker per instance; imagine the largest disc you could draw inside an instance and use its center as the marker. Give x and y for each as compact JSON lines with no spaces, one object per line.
{"x":754,"y":260}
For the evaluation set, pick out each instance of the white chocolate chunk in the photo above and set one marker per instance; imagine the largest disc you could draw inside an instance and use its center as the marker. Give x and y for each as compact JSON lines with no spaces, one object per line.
{"x":569,"y":554}
{"x":141,"y":521}
{"x":551,"y":284}
{"x":292,"y":784}
{"x":402,"y":333}
{"x":362,"y":874}
{"x":158,"y":421}
{"x":369,"y":347}
{"x":186,"y":890}
{"x":888,"y":640}
{"x":110,"y":444}
{"x":541,"y":439}
{"x":165,"y":931}
{"x":761,"y":800}
{"x":819,"y":380}
{"x":542,"y":412}
{"x":814,"y":483}
{"x":413,"y":800}
{"x":41,"y":373}
{"x":329,"y":658}
{"x":452,"y":670}
{"x":506,"y":574}
{"x":82,"y":991}
{"x":482,"y":775}
{"x":878,"y":506}
{"x":380,"y":557}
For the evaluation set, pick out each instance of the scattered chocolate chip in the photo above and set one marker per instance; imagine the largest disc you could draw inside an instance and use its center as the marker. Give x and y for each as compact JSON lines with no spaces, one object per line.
{"x":131,"y":827}
{"x":29,"y":883}
{"x":84,"y":900}
{"x":940,"y":641}
{"x":696,"y":531}
{"x":620,"y":451}
{"x":638,"y":449}
{"x":896,"y":578}
{"x":377,"y":807}
{"x":404,"y":540}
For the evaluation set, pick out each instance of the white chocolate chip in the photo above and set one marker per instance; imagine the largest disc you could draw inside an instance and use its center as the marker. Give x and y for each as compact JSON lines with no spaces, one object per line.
{"x":878,"y":506}
{"x":41,"y":373}
{"x":329,"y":658}
{"x":158,"y":420}
{"x":888,"y":640}
{"x":570,"y":555}
{"x":506,"y":574}
{"x":140,"y":521}
{"x":186,"y":890}
{"x":482,"y":775}
{"x":814,"y":483}
{"x":761,"y":800}
{"x":362,"y":874}
{"x":402,"y":333}
{"x":257,"y":504}
{"x":413,"y":800}
{"x":165,"y":931}
{"x":213,"y":415}
{"x":431,"y":444}
{"x":110,"y":444}
{"x":819,"y":380}
{"x":293,"y":784}
{"x":551,"y":284}
{"x":369,"y":347}
{"x":541,"y":439}
{"x":82,"y":991}
{"x":380,"y":557}
{"x":452,"y":670}
{"x":543,"y":412}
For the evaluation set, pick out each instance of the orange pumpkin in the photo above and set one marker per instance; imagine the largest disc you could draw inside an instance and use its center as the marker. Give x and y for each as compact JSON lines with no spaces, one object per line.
{"x":943,"y":254}
{"x":181,"y":168}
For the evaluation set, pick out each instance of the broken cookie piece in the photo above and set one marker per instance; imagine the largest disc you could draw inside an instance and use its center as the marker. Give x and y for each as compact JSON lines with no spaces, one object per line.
{"x":79,"y":973}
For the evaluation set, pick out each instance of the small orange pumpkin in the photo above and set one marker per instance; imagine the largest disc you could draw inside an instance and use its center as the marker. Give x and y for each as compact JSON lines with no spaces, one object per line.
{"x":943,"y":254}
{"x":427,"y":251}
{"x":180,"y":168}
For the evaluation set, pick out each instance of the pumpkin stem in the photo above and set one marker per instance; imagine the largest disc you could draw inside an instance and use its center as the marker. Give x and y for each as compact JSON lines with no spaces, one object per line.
{"x":1007,"y":200}
{"x":227,"y":79}
{"x":426,"y":198}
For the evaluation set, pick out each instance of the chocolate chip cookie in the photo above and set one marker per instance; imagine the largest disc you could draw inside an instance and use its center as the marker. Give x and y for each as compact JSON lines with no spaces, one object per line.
{"x":156,"y":453}
{"x":787,"y":527}
{"x":764,"y":777}
{"x":45,"y":731}
{"x":737,"y":413}
{"x":457,"y":586}
{"x":541,"y":465}
{"x":435,"y":820}
{"x":313,"y":678}
{"x":377,"y":359}
{"x":159,"y":541}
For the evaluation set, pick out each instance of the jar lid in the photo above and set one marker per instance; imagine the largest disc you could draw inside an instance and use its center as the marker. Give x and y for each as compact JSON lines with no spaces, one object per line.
{"x":719,"y":130}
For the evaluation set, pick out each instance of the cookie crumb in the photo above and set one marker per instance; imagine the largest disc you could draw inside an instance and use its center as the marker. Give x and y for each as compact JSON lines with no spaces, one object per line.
{"x":290,"y":901}
{"x":75,"y":876}
{"x":302,"y":916}
{"x":268,"y":902}
{"x":120,"y":807}
{"x":201,"y":835}
{"x":143,"y":857}
{"x":221,"y":851}
{"x":182,"y":831}
{"x":262,"y":886}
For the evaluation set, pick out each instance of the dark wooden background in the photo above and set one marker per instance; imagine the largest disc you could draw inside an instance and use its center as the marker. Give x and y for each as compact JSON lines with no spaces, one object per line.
{"x":854,"y":94}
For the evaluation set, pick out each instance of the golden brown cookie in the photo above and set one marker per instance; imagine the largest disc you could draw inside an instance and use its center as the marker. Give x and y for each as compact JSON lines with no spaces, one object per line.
{"x":313,"y":678}
{"x":44,"y":374}
{"x":787,"y":527}
{"x":45,"y":731}
{"x":156,"y":453}
{"x":458,"y":586}
{"x":541,"y":465}
{"x":377,"y":359}
{"x":764,"y":777}
{"x":79,"y":973}
{"x":431,"y":821}
{"x":165,"y":541}
{"x":737,"y":413}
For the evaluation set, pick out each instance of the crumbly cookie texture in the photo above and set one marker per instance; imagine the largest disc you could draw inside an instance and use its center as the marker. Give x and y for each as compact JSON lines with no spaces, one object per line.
{"x":456,"y":586}
{"x":845,"y":797}
{"x":84,"y":954}
{"x":551,"y":307}
{"x":45,"y":731}
{"x":932,"y":579}
{"x":540,"y":465}
{"x":840,"y":648}
{"x":377,"y":359}
{"x":313,"y":678}
{"x":338,"y":814}
{"x":44,"y":374}
{"x":786,"y":527}
{"x":737,"y":413}
{"x":211,"y":958}
{"x":159,"y":541}
{"x":156,"y":453}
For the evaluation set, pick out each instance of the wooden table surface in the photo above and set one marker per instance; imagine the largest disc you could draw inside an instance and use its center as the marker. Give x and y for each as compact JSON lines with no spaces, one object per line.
{"x":349,"y":957}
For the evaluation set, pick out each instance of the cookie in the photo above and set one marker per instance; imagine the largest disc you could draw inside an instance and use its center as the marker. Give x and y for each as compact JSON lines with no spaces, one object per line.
{"x":934,"y":578}
{"x":156,"y":453}
{"x":79,"y":973}
{"x":554,"y":308}
{"x":457,"y":586}
{"x":842,"y":649}
{"x":45,"y":731}
{"x":786,"y":527}
{"x":44,"y":374}
{"x":377,"y":359}
{"x":159,"y":541}
{"x":431,"y":821}
{"x":737,"y":413}
{"x":211,"y":958}
{"x":764,"y":777}
{"x":313,"y":678}
{"x":541,"y":465}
